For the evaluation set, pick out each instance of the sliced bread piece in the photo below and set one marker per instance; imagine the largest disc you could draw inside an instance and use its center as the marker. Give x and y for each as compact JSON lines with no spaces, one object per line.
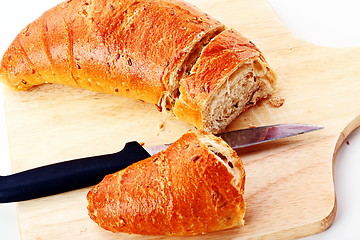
{"x":230,"y":76}
{"x":193,"y":187}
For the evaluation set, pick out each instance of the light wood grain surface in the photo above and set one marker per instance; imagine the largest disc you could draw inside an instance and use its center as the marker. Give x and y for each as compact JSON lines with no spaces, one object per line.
{"x":289,"y":188}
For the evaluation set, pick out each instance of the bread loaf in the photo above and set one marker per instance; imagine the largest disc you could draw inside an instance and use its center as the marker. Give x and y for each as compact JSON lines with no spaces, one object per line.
{"x":230,"y":75}
{"x":140,"y":49}
{"x":133,"y":48}
{"x":194,"y":187}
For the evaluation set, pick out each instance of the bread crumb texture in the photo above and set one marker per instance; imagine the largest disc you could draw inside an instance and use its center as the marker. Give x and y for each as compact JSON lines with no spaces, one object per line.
{"x":276,"y":101}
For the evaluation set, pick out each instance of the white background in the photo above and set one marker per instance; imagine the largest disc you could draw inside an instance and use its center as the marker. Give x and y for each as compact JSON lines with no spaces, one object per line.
{"x":334,"y":23}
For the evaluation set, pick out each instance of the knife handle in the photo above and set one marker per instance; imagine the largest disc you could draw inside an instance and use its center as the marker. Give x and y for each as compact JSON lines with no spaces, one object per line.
{"x":66,"y":176}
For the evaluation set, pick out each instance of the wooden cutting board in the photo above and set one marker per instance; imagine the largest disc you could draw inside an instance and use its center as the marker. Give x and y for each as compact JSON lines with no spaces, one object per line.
{"x":289,"y":188}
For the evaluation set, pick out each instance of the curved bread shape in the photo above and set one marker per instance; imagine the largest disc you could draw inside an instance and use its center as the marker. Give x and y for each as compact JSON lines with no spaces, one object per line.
{"x":194,"y":187}
{"x":138,"y":49}
{"x":230,"y":75}
{"x":164,"y":52}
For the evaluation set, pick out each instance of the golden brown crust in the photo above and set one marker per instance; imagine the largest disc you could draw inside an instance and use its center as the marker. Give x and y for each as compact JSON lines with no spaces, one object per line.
{"x":184,"y":190}
{"x":140,"y":49}
{"x":126,"y":48}
{"x":225,"y":54}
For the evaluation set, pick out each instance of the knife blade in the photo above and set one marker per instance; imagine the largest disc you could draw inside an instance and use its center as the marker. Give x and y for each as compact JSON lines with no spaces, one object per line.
{"x":79,"y":173}
{"x":253,"y":136}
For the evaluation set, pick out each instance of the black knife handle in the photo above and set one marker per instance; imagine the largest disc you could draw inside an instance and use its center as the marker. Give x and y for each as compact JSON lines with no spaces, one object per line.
{"x":66,"y":176}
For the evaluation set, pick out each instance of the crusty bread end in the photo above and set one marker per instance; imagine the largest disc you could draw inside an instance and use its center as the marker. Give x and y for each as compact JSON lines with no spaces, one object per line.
{"x":230,"y":76}
{"x":195,"y":186}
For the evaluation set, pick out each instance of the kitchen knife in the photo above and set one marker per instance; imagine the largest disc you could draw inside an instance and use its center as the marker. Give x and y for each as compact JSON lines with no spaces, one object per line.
{"x":74,"y":174}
